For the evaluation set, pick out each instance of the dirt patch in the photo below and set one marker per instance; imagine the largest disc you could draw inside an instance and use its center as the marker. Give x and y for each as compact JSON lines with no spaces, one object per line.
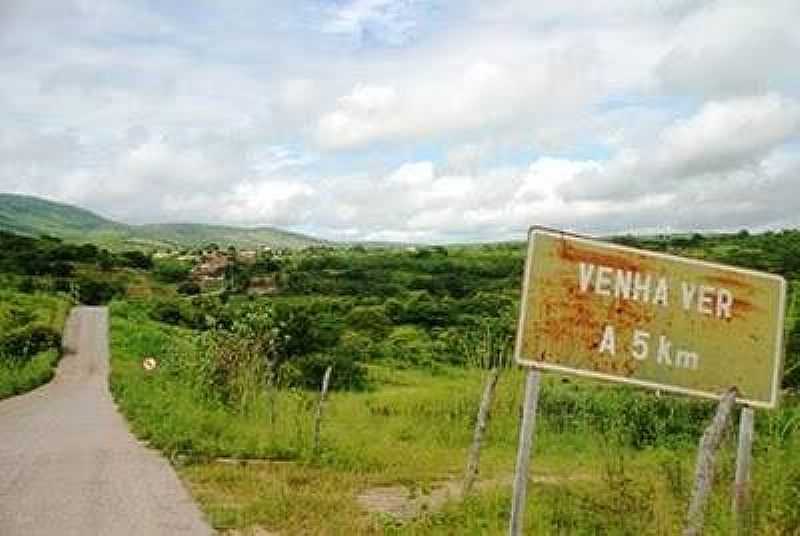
{"x":404,"y":503}
{"x":251,"y":531}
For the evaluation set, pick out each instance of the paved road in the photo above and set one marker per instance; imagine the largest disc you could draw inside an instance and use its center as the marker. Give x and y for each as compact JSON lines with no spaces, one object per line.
{"x":69,"y":465}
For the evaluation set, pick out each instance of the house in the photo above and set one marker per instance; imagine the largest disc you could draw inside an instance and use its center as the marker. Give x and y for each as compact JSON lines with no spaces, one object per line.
{"x":248,"y":256}
{"x":212,"y":265}
{"x":263,"y":285}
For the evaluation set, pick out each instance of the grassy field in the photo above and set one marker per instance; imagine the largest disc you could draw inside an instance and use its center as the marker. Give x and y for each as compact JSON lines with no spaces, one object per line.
{"x":608,"y":460}
{"x":18,"y":310}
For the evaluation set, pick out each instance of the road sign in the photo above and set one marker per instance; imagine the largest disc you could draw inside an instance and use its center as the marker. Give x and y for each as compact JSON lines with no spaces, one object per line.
{"x":617,"y":313}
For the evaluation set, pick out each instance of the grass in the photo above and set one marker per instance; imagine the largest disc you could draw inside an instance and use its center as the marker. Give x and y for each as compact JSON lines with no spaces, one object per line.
{"x":173,"y":415}
{"x":15,"y":380}
{"x":17,"y":309}
{"x":608,"y":459}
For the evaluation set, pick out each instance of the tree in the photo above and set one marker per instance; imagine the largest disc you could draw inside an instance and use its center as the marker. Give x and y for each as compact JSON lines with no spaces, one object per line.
{"x":96,"y":292}
{"x":137,"y":259}
{"x":371,"y":319}
{"x":189,"y":288}
{"x":791,"y":377}
{"x":171,"y":271}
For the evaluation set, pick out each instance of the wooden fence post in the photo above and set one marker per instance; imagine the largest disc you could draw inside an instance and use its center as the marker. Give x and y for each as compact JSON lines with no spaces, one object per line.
{"x":474,"y":456}
{"x":744,"y":457}
{"x":524,"y":453}
{"x":320,"y":405}
{"x":706,"y":456}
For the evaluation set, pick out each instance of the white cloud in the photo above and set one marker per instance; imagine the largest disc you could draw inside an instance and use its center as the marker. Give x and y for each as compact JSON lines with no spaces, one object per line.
{"x":277,"y":201}
{"x":733,"y":48}
{"x":723,"y":136}
{"x":407,"y":119}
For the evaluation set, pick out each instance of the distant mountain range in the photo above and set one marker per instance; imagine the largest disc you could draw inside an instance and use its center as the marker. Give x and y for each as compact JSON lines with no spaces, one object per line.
{"x":34,"y":216}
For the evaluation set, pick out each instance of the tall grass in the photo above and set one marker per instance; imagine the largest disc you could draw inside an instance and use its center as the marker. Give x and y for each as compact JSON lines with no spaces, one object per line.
{"x":18,"y":379}
{"x":608,"y":459}
{"x":173,"y":409}
{"x":17,"y":310}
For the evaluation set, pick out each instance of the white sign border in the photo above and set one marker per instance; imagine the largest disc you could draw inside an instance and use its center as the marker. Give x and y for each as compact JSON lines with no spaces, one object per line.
{"x":779,"y":336}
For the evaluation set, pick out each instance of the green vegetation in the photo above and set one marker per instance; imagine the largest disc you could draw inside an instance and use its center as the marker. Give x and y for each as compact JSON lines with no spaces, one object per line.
{"x":40,"y":278}
{"x":410,"y":334}
{"x":188,"y":235}
{"x":30,"y":339}
{"x":29,"y":215}
{"x":33,"y":217}
{"x":608,"y":459}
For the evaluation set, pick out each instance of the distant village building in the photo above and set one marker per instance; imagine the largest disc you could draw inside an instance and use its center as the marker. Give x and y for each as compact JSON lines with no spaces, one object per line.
{"x":248,"y":256}
{"x":263,"y":285}
{"x":211,"y":266}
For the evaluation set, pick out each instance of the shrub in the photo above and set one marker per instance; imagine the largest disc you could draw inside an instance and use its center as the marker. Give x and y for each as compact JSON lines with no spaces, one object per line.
{"x":371,"y":319}
{"x":21,"y":344}
{"x":136,"y":259}
{"x":791,"y":378}
{"x":189,"y":288}
{"x":27,"y":285}
{"x":410,"y":345}
{"x":167,"y":311}
{"x":179,"y":313}
{"x":171,"y":271}
{"x":238,"y":362}
{"x":94,"y":292}
{"x":356,"y":345}
{"x":308,"y":370}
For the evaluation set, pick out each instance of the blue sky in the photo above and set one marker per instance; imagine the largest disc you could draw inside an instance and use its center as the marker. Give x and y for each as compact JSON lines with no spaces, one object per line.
{"x":409,"y":120}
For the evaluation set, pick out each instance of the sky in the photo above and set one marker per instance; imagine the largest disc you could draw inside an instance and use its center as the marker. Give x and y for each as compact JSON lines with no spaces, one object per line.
{"x":407,"y":120}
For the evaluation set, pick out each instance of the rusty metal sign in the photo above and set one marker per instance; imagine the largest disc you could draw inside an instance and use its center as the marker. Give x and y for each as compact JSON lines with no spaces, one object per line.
{"x":617,"y":313}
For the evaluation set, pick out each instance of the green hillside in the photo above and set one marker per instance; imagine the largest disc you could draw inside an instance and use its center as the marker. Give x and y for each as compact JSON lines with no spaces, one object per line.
{"x":33,"y":216}
{"x":195,"y":234}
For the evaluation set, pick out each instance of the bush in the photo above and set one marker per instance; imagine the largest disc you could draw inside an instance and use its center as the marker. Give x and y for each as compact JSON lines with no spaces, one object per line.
{"x":94,"y":292}
{"x":21,"y":344}
{"x":308,"y":371}
{"x":166,"y":311}
{"x":27,"y":285}
{"x":356,"y":346}
{"x":189,"y":288}
{"x":410,"y":345}
{"x":237,"y":363}
{"x":370,"y":319}
{"x":791,"y":378}
{"x":136,"y":259}
{"x":170,"y":271}
{"x":179,"y":313}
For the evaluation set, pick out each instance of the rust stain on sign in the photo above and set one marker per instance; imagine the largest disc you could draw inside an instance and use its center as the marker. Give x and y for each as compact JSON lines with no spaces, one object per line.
{"x":618,"y":313}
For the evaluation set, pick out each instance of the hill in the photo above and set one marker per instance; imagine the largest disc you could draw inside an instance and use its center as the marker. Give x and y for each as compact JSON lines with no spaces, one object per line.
{"x":34,"y":216}
{"x":196,"y":234}
{"x":31,"y":215}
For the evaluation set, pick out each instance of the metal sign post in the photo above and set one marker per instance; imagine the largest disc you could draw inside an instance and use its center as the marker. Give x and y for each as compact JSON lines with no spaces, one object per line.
{"x":744,"y":458}
{"x":524,"y":453}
